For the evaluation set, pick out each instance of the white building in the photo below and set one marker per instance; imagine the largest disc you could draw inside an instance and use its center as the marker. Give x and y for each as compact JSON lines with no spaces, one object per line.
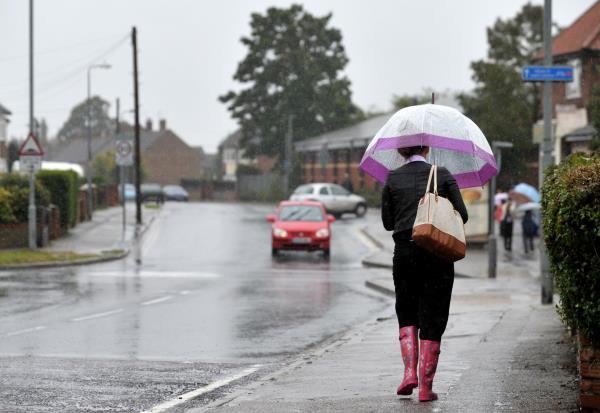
{"x":4,"y":114}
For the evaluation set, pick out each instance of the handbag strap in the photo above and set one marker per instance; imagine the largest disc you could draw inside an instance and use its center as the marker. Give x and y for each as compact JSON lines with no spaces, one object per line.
{"x":432,"y":173}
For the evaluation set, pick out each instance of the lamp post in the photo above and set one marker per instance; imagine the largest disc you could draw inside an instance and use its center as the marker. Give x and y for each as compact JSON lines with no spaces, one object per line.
{"x":90,"y":203}
{"x":492,"y":245}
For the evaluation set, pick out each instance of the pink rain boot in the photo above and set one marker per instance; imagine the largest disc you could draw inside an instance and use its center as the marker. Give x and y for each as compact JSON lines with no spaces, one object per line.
{"x":430,"y":352}
{"x":410,"y":355}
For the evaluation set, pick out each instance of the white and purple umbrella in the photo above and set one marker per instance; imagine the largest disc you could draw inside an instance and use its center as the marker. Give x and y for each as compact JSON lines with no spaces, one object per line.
{"x":455,"y":142}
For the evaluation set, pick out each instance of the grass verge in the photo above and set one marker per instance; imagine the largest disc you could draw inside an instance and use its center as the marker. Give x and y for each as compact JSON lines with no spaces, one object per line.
{"x":25,"y":256}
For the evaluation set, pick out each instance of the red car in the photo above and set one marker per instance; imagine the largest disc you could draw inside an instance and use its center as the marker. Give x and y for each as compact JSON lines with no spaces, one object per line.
{"x":301,"y":225}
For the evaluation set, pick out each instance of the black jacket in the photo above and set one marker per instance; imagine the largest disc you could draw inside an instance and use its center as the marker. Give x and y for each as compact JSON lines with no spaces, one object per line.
{"x":404,"y":188}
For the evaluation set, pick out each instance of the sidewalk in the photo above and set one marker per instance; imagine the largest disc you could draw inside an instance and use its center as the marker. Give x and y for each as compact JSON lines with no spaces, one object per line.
{"x":502,"y":351}
{"x":104,"y":231}
{"x":475,"y":264}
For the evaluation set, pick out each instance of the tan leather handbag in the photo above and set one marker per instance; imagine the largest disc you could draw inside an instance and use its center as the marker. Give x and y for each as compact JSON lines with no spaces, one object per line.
{"x":438,"y":227}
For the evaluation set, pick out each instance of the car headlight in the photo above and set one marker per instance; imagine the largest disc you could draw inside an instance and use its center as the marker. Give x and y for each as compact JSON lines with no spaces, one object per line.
{"x":281,"y":233}
{"x":322,"y":233}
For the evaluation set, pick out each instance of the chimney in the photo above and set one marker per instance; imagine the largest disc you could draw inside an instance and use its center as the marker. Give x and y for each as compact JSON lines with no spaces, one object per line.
{"x":162,"y":125}
{"x":149,"y":124}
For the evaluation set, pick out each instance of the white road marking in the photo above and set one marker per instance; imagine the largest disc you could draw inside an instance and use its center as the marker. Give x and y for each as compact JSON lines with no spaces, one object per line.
{"x":202,"y":390}
{"x":98,"y":315}
{"x":25,"y":330}
{"x":156,"y":274}
{"x":158,"y":300}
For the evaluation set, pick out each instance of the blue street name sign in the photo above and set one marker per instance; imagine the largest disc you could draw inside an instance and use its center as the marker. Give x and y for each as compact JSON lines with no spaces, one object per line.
{"x":552,"y":73}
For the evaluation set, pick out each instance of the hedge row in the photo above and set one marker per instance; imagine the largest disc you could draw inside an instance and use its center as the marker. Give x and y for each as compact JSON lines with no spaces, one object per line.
{"x":571,"y":220}
{"x":14,"y":198}
{"x":64,"y":193}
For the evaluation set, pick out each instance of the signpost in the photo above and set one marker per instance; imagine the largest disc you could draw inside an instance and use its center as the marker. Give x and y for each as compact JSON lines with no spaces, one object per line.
{"x":547,"y":74}
{"x":30,"y":160}
{"x":124,"y":154}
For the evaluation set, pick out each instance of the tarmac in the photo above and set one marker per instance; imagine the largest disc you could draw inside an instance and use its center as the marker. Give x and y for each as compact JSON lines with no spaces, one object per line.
{"x":502,"y":351}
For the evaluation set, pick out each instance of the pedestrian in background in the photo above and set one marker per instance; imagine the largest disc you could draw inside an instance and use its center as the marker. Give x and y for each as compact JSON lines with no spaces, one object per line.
{"x":423,"y":282}
{"x":506,"y":226}
{"x":530,"y":230}
{"x":348,"y":183}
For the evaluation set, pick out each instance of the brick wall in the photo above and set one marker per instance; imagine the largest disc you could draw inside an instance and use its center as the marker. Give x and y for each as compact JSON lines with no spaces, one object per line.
{"x":589,"y":369}
{"x":169,"y":160}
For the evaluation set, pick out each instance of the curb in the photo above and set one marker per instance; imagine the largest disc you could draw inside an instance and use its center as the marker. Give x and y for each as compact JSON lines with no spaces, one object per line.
{"x":85,"y":261}
{"x":379,"y":288}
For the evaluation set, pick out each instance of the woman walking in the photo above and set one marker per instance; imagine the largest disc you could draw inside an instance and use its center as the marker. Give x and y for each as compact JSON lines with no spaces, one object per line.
{"x":423,"y":282}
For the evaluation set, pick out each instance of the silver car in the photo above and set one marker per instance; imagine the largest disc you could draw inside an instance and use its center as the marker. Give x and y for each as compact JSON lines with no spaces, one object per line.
{"x":337,"y":200}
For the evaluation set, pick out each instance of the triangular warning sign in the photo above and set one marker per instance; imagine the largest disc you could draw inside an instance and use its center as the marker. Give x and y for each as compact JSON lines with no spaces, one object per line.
{"x":31,"y":147}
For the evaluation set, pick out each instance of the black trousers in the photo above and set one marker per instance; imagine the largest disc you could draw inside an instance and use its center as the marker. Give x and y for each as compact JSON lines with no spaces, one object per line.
{"x":423,"y":284}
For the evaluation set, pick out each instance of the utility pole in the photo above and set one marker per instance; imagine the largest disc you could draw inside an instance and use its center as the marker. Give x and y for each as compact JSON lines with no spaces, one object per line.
{"x":121,"y":172}
{"x":137,"y":154}
{"x":547,"y":145}
{"x":32,"y":230}
{"x":287,"y":165}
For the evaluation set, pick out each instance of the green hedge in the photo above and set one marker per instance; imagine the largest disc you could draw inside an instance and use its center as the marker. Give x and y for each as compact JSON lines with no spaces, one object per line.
{"x":18,"y":187}
{"x":64,"y":193}
{"x":571,"y":219}
{"x":7,"y":215}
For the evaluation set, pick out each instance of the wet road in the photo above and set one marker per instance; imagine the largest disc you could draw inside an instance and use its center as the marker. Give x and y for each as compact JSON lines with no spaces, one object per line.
{"x":208,"y":303}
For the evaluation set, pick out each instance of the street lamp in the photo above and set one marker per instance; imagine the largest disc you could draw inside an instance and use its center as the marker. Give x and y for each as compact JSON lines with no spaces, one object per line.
{"x":90,"y":193}
{"x":497,"y":147}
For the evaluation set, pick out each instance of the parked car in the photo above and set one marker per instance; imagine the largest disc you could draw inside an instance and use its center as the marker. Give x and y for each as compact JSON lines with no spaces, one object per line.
{"x":152,"y":192}
{"x":302,"y":225}
{"x":337,"y":200}
{"x":175,"y":193}
{"x":129,"y":192}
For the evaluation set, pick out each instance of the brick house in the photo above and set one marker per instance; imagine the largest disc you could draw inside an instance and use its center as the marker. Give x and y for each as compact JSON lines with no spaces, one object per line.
{"x":167,"y":159}
{"x":230,"y":155}
{"x":577,"y":46}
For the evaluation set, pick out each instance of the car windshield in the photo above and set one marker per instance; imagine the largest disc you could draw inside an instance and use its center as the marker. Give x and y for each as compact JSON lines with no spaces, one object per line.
{"x":338,"y":190}
{"x":174,"y":189}
{"x":301,"y":213}
{"x":303,"y":190}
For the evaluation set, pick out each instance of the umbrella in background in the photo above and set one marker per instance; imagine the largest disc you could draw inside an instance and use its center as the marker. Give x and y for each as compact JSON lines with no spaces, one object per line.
{"x":524,"y":193}
{"x":499,"y":197}
{"x":455,"y":142}
{"x":529,"y":206}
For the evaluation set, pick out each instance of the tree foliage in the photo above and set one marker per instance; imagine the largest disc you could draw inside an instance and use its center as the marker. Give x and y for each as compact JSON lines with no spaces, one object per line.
{"x":402,"y":101}
{"x":594,"y":114}
{"x":504,"y":107}
{"x":293,"y":66}
{"x":105,"y":169}
{"x":76,"y":125}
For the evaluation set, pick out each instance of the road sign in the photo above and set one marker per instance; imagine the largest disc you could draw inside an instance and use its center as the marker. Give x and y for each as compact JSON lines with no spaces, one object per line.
{"x":31,"y":147}
{"x":30,"y":154}
{"x":124,"y":151}
{"x":551,"y":73}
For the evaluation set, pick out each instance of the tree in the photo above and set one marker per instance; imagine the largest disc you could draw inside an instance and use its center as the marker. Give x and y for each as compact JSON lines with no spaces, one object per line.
{"x":402,"y":101}
{"x":76,"y":125}
{"x":105,"y":169}
{"x":293,"y":66}
{"x":594,"y":115}
{"x":502,"y":105}
{"x":13,"y":153}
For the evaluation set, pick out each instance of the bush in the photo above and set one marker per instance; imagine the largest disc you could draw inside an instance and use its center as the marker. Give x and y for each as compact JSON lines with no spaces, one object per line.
{"x":18,"y":186}
{"x":64,"y":193}
{"x":372,"y":196}
{"x":7,"y":215}
{"x":571,"y":220}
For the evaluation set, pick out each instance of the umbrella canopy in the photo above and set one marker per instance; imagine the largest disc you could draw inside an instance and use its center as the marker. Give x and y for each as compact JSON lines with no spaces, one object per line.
{"x":498,"y":198}
{"x":523,"y":193}
{"x":455,"y":142}
{"x":529,"y":206}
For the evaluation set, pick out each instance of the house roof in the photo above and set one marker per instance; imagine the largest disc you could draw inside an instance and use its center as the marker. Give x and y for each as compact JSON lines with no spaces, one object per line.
{"x":355,"y":135}
{"x":583,"y":33}
{"x":4,"y":111}
{"x":75,"y":150}
{"x":232,"y":140}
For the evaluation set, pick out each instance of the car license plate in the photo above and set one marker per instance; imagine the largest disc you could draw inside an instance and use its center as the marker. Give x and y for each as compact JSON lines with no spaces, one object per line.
{"x":302,"y":240}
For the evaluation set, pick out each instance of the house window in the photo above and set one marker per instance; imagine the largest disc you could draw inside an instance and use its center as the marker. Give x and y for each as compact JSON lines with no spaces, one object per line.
{"x":573,"y":89}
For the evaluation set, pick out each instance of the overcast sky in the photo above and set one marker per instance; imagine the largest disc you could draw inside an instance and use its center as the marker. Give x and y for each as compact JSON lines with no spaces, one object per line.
{"x":189,"y":51}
